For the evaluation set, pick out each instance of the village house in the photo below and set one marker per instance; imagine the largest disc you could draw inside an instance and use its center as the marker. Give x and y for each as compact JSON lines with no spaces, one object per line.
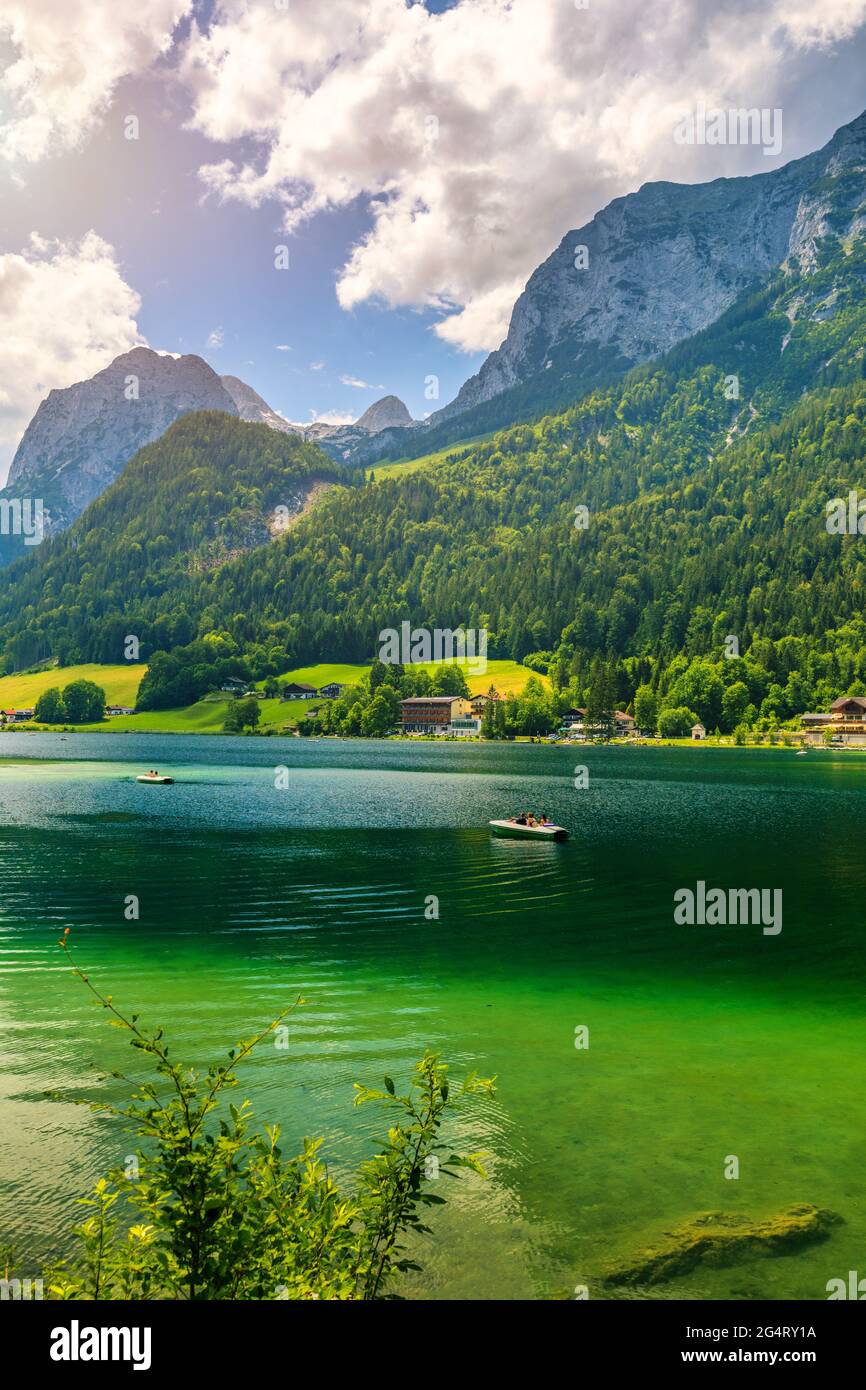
{"x":480,"y":702}
{"x":432,"y":714}
{"x":296,"y":690}
{"x":17,"y":716}
{"x":575,"y":721}
{"x":845,"y":721}
{"x":331,"y":690}
{"x":119,"y":709}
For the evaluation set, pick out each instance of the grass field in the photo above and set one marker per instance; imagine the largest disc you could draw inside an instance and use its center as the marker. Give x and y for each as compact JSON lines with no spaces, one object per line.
{"x":507,"y":676}
{"x":207,"y":716}
{"x":120,"y":683}
{"x":345,"y":673}
{"x":401,"y":468}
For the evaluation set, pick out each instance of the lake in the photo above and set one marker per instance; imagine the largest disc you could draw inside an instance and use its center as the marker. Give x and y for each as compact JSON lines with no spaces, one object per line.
{"x":705,"y":1042}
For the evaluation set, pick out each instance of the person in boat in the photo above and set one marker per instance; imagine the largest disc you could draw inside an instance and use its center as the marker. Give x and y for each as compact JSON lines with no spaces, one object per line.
{"x":521,"y":819}
{"x":542,"y":819}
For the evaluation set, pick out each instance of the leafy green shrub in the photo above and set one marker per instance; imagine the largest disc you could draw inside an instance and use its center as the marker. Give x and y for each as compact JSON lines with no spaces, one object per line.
{"x":676,"y":723}
{"x":217,"y":1211}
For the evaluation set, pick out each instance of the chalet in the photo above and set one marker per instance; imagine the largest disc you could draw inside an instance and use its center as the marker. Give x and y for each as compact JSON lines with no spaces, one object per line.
{"x":233,"y":686}
{"x":845,"y":721}
{"x":575,"y":720}
{"x":118,"y":709}
{"x":850,"y":709}
{"x":479,"y":703}
{"x":431,"y":714}
{"x":698,"y":731}
{"x":18,"y":716}
{"x":296,"y":690}
{"x":331,"y":690}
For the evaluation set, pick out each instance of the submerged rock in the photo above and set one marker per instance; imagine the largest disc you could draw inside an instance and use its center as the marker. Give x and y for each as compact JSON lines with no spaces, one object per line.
{"x":721,"y":1238}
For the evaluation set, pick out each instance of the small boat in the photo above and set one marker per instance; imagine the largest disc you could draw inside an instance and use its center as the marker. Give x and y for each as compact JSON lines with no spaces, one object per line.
{"x":156,"y":778}
{"x":509,"y":829}
{"x":801,"y":752}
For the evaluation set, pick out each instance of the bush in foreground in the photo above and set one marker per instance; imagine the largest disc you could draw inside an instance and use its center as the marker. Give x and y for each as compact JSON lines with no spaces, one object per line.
{"x":215,"y":1209}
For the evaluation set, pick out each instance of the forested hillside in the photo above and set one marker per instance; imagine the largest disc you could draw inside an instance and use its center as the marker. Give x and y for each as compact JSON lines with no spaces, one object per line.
{"x":705,"y":476}
{"x":210,"y":489}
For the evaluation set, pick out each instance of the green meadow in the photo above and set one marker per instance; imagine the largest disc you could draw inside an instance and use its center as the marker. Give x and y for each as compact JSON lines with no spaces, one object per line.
{"x":208,"y":715}
{"x":401,"y":468}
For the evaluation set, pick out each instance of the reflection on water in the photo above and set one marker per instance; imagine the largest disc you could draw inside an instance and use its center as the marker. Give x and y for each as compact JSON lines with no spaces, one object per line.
{"x":704,"y":1041}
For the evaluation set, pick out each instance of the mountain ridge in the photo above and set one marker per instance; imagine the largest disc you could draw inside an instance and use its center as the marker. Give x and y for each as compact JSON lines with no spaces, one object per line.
{"x":572,"y":329}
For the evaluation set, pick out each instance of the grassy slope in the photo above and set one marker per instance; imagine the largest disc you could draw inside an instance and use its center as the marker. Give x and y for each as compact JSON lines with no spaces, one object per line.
{"x":401,"y":468}
{"x":207,"y":716}
{"x":507,"y":676}
{"x":120,"y":683}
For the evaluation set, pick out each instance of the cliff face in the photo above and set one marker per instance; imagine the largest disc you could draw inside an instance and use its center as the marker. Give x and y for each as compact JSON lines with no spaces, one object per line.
{"x":82,"y":436}
{"x":664,"y":262}
{"x":253,"y":407}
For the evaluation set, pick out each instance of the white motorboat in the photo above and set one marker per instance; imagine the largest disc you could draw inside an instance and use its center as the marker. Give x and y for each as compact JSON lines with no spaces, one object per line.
{"x":512,"y":830}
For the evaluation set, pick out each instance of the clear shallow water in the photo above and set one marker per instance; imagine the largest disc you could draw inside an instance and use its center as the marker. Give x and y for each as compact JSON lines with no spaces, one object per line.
{"x":704,"y":1041}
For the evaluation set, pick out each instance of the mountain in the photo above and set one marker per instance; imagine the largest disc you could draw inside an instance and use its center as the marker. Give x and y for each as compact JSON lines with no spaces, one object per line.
{"x":663,"y":263}
{"x":209,"y":490}
{"x":707,"y":517}
{"x":705,"y":473}
{"x":388,"y":413}
{"x":251,"y":406}
{"x":82,"y":436}
{"x":388,"y":417}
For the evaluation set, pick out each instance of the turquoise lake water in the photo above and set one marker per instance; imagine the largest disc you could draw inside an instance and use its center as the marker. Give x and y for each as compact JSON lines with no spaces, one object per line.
{"x":704,"y":1042}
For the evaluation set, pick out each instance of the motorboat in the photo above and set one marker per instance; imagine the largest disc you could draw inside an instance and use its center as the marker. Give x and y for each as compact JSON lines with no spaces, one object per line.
{"x":511,"y":830}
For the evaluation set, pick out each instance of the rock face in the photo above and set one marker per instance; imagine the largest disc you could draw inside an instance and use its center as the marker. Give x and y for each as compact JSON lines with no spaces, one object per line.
{"x":718,"y":1238}
{"x":345,"y":442}
{"x":384,"y":414}
{"x":664,"y":262}
{"x":82,"y":436}
{"x":252,"y":407}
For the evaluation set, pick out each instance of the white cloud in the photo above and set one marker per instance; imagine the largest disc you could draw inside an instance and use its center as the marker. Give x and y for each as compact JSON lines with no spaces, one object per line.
{"x":332,"y":417}
{"x":66,"y":313}
{"x":482,"y":134}
{"x":358,"y":383}
{"x":316,"y":366}
{"x":66,"y":58}
{"x":215,"y":338}
{"x":283,"y":347}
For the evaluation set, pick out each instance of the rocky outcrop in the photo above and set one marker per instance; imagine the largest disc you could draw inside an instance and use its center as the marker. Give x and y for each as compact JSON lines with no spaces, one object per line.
{"x":656,"y":266}
{"x":350,"y":443}
{"x":251,"y":406}
{"x":720,"y":1238}
{"x":82,"y":436}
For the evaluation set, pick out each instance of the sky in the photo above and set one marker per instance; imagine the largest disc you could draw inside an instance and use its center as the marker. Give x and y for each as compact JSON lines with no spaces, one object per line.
{"x":416,"y":161}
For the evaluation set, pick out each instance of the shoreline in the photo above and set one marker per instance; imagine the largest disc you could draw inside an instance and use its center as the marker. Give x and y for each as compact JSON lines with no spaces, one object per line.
{"x":795,"y":745}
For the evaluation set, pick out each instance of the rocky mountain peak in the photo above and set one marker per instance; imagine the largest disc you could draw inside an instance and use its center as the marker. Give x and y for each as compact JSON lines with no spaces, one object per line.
{"x":659,"y":264}
{"x":384,"y":414}
{"x":252,"y":407}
